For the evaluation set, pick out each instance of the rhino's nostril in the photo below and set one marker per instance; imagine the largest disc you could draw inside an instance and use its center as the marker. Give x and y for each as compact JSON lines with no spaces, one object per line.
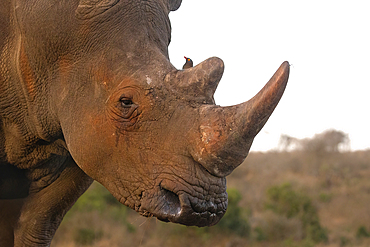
{"x":172,"y":206}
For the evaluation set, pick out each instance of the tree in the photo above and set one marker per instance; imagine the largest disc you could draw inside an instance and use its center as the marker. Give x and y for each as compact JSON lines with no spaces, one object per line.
{"x":327,"y":141}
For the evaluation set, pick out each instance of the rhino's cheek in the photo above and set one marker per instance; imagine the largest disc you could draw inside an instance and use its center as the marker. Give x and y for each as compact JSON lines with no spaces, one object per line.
{"x":90,"y":141}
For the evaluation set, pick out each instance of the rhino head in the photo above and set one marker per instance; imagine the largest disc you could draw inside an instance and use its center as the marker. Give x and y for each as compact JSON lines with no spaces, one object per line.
{"x":151,"y":134}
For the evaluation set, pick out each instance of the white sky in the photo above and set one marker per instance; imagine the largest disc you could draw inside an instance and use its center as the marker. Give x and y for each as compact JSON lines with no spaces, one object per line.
{"x":327,"y":42}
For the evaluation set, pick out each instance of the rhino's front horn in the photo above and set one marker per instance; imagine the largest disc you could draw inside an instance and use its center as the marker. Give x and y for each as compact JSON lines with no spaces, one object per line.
{"x":225,"y":134}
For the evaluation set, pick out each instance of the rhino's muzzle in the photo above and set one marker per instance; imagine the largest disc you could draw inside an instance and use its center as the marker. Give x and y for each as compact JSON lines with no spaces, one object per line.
{"x":179,"y":206}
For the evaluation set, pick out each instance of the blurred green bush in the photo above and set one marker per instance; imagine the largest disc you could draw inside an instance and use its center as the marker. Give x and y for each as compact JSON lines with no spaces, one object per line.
{"x":284,"y":200}
{"x":87,"y":236}
{"x":362,"y":232}
{"x":97,"y":200}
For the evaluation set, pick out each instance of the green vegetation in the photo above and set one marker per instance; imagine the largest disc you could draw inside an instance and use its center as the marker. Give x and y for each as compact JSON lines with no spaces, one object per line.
{"x":86,"y":236}
{"x":325,"y":197}
{"x":98,"y":199}
{"x":286,"y":201}
{"x":362,"y":232}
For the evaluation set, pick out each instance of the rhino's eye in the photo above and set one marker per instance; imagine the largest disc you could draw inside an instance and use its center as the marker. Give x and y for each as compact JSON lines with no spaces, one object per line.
{"x":126,"y":109}
{"x":125,"y":102}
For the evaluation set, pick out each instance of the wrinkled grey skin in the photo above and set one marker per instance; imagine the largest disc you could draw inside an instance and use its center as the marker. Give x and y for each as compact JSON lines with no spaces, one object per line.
{"x":87,"y":93}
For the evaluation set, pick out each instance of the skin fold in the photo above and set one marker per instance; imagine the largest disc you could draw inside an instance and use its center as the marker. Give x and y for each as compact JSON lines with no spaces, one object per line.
{"x":87,"y":92}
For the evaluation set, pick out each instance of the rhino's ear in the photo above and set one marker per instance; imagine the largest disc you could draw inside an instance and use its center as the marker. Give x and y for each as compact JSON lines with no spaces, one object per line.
{"x":90,"y":8}
{"x":174,"y":4}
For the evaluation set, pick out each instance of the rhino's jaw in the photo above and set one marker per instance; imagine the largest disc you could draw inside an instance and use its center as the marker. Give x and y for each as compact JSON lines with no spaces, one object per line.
{"x":203,"y":208}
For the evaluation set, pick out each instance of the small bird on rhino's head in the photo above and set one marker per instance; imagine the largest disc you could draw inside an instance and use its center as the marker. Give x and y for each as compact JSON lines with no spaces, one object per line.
{"x":188,"y":63}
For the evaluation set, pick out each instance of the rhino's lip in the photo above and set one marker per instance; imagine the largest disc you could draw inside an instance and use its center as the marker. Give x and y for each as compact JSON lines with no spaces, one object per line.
{"x":182,"y":208}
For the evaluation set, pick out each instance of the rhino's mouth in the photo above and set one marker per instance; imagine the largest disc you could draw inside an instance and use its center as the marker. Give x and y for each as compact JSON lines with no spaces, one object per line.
{"x":202,"y":208}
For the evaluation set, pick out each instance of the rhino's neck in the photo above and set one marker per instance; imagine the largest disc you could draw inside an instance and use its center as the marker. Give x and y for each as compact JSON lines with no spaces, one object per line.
{"x":29,"y":126}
